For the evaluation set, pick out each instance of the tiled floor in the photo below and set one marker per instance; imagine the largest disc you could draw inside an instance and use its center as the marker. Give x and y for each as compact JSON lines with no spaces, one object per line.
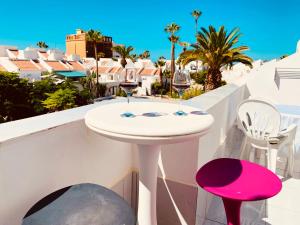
{"x":283,"y":209}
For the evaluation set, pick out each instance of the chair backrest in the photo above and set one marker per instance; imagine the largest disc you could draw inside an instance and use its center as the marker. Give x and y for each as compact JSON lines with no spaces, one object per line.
{"x":258,"y":119}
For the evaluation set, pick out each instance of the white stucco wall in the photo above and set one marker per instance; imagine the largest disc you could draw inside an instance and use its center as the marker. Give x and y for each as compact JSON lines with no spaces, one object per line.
{"x":28,"y":54}
{"x":8,"y":65}
{"x":32,"y":75}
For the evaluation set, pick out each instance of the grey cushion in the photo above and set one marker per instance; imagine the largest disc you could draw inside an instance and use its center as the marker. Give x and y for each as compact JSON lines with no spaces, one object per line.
{"x":82,"y":204}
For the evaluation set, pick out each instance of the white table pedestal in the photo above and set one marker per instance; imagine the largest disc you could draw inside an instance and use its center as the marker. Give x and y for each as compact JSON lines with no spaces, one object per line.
{"x":149,"y":133}
{"x":148,"y":163}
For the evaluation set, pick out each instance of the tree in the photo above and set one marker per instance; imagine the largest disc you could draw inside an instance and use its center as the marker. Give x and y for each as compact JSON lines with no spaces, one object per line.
{"x":196,"y":14}
{"x":38,"y":94}
{"x":159,"y":64}
{"x":95,"y":37}
{"x":14,"y":97}
{"x":216,"y":49}
{"x":134,"y":57}
{"x":184,"y":45}
{"x":125,"y":52}
{"x":60,"y":100}
{"x":145,"y":55}
{"x":42,"y":44}
{"x":172,"y":29}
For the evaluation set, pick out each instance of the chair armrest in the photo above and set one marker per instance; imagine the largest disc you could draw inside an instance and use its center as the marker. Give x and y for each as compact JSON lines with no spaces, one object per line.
{"x":284,"y":136}
{"x":291,"y":130}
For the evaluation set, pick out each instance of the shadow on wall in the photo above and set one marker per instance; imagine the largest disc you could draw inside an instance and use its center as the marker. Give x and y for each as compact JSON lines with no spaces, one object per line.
{"x":177,"y":190}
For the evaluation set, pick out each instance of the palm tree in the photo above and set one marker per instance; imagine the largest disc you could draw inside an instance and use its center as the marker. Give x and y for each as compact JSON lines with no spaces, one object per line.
{"x":184,"y":45}
{"x":125,"y":52}
{"x":145,"y":55}
{"x":134,"y":57}
{"x":196,"y":14}
{"x":159,"y":64}
{"x":172,"y":29}
{"x":216,"y":49}
{"x":42,"y":44}
{"x":95,"y":37}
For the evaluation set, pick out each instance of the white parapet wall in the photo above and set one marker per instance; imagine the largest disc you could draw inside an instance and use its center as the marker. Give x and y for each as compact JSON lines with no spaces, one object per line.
{"x":41,"y":154}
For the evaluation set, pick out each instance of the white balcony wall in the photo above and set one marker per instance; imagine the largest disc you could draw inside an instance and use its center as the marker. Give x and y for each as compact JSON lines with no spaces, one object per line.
{"x":41,"y":154}
{"x":53,"y":151}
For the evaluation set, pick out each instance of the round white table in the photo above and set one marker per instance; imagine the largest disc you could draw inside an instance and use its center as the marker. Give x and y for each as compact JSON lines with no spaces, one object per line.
{"x":149,"y":133}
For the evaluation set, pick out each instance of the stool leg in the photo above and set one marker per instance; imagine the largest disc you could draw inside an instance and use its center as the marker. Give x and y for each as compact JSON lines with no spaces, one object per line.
{"x":232,"y":209}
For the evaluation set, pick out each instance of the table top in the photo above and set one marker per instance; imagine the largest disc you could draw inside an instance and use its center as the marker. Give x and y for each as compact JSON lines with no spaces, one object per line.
{"x":106,"y":120}
{"x":238,"y":179}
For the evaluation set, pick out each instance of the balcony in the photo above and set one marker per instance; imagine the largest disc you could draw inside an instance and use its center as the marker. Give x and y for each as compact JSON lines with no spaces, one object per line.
{"x":42,"y":154}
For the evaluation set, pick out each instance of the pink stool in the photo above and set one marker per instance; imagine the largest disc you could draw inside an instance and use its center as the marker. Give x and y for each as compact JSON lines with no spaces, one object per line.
{"x":237,"y":181}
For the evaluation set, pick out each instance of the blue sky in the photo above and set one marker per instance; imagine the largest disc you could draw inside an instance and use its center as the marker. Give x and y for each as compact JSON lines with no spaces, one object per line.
{"x":270,"y":28}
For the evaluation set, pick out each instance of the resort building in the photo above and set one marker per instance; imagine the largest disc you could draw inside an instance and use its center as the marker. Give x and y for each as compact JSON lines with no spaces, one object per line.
{"x":30,"y":63}
{"x":79,"y":45}
{"x":111,"y":73}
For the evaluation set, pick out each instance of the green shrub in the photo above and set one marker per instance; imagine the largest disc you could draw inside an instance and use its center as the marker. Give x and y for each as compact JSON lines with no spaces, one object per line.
{"x":101,"y":89}
{"x":199,"y":77}
{"x":223,"y":82}
{"x":158,"y":89}
{"x":121,"y":93}
{"x":60,"y":100}
{"x":192,"y":92}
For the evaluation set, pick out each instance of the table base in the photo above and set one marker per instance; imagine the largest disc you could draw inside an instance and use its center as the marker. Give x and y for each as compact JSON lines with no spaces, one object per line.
{"x":148,"y":163}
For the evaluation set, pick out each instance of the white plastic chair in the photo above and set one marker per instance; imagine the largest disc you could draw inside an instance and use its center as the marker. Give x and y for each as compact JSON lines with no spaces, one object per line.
{"x":260,"y":122}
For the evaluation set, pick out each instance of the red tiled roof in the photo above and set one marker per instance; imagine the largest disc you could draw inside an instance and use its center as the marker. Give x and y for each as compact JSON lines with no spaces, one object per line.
{"x":147,"y":72}
{"x":24,"y":65}
{"x":57,"y":66}
{"x":39,"y":64}
{"x":76,"y":65}
{"x":115,"y":70}
{"x":101,"y":69}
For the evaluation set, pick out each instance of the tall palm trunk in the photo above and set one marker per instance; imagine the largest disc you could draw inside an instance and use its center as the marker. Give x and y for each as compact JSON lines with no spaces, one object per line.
{"x":196,"y":28}
{"x":160,"y":76}
{"x":96,"y":57}
{"x":123,"y":63}
{"x":172,"y":65}
{"x":97,"y":71}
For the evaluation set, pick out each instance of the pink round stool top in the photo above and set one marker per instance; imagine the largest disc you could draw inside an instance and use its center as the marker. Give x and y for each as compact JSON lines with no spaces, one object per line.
{"x":238,"y":180}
